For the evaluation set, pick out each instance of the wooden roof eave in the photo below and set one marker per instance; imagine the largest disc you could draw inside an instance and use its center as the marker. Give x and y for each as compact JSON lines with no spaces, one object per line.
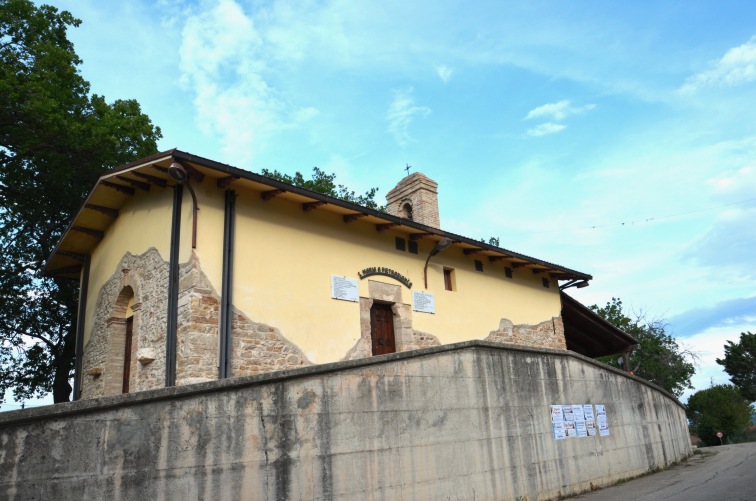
{"x":229,"y":172}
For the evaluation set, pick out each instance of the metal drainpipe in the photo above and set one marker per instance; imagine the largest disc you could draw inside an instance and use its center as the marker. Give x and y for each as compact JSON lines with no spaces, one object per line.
{"x":83,"y":286}
{"x":227,"y":286}
{"x":173,"y":278}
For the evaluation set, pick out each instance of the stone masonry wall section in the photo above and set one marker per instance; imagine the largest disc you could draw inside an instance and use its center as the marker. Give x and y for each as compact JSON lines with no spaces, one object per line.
{"x":548,"y":334}
{"x":464,"y":421}
{"x":256,"y":347}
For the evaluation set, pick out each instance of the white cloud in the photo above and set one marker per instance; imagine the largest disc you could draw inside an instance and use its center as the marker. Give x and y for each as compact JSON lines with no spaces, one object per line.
{"x":444,"y":72}
{"x":546,"y":129}
{"x":558,"y":111}
{"x":736,"y":67}
{"x":401,"y":113}
{"x":223,"y":62}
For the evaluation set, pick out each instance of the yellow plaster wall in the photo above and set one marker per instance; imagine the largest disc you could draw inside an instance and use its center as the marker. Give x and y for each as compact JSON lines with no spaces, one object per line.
{"x":142,"y":223}
{"x":285,"y":258}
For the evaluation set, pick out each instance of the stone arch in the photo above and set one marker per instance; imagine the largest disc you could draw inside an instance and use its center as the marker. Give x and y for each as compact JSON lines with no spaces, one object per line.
{"x":136,"y":279}
{"x":407,"y":212}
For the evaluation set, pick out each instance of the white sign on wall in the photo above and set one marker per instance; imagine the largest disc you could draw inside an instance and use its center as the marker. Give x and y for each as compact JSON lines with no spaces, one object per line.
{"x":423,"y":301}
{"x":344,"y":288}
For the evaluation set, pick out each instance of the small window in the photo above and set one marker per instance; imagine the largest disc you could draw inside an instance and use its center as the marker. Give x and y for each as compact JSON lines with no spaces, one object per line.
{"x":508,"y":272}
{"x":478,"y":265}
{"x":412,"y":247}
{"x":400,"y":244}
{"x":545,"y":282}
{"x":449,"y":279}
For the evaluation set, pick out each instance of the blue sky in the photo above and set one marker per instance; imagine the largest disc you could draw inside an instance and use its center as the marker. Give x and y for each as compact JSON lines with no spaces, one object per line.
{"x":616,"y":138}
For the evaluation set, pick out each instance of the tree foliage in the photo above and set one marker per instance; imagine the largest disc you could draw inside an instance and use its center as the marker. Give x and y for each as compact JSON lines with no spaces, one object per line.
{"x":55,"y":139}
{"x":740,"y":363}
{"x":720,"y":408}
{"x":657,"y":358}
{"x":325,"y":183}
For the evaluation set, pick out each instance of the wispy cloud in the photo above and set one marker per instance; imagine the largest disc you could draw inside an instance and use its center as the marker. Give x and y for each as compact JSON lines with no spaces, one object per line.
{"x":736,"y":67}
{"x":558,"y":111}
{"x":444,"y":73}
{"x":545,"y":129}
{"x":401,"y":113}
{"x":222,"y":61}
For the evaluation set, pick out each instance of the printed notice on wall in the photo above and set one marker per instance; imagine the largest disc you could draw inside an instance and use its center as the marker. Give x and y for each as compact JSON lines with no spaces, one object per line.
{"x":557,"y":422}
{"x":344,"y":288}
{"x":578,"y":421}
{"x":423,"y":301}
{"x":603,"y":424}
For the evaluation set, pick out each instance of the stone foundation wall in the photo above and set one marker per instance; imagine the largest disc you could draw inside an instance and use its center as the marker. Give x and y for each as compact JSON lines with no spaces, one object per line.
{"x":547,"y":334}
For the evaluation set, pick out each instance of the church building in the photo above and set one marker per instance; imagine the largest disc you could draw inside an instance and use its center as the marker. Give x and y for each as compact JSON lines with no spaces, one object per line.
{"x":192,"y":270}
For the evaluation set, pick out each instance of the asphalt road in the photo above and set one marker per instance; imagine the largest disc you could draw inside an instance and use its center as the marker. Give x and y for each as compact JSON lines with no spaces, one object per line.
{"x":717,"y":473}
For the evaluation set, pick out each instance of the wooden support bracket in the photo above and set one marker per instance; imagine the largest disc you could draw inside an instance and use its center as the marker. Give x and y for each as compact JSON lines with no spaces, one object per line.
{"x":353,"y":217}
{"x":119,"y":187}
{"x":226,"y":181}
{"x":133,"y":182}
{"x":311,"y":206}
{"x":105,"y":210}
{"x":270,"y":194}
{"x":386,"y":226}
{"x":158,"y":181}
{"x":88,"y":231}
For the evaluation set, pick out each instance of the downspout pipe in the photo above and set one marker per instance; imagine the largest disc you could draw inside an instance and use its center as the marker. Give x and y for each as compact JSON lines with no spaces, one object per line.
{"x":79,"y":354}
{"x":226,"y":322}
{"x":173,"y":286}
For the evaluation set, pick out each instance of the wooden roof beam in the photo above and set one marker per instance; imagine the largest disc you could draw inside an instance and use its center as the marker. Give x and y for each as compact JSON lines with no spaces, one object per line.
{"x":353,"y":217}
{"x":468,"y":252}
{"x":311,"y":206}
{"x":418,"y":236}
{"x":226,"y":181}
{"x":386,"y":226}
{"x":75,"y":255}
{"x":105,"y":210}
{"x":270,"y":194}
{"x":135,"y":183}
{"x":89,"y":231}
{"x":494,"y":259}
{"x":518,"y":265}
{"x":119,"y":187}
{"x":158,"y":181}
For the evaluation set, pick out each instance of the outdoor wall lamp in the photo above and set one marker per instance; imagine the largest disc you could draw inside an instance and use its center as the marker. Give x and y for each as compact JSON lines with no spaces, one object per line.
{"x":441,"y":245}
{"x":178,"y":173}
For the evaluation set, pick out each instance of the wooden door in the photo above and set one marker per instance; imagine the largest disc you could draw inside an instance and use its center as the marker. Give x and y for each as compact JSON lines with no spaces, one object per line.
{"x":127,"y":354}
{"x":382,"y":329}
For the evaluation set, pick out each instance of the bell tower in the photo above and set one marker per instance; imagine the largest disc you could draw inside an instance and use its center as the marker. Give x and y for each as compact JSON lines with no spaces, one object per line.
{"x":415,"y":198}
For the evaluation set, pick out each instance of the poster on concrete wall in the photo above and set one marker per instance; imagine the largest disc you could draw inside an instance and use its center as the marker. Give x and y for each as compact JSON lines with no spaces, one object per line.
{"x":423,"y":301}
{"x":590,"y":420}
{"x":557,"y":422}
{"x":578,"y":421}
{"x":601,"y":421}
{"x":577,"y":413}
{"x":344,"y":288}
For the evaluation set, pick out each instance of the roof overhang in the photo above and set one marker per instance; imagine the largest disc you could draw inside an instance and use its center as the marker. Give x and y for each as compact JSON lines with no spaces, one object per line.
{"x":116,"y":187}
{"x":589,"y":334}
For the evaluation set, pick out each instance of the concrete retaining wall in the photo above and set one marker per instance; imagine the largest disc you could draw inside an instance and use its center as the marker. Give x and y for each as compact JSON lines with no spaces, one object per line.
{"x":464,"y":421}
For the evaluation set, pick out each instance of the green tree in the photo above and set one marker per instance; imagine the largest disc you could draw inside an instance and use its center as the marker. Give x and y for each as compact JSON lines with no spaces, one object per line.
{"x":657,"y":358}
{"x":323,"y":182}
{"x":720,"y":408}
{"x":740,"y":363}
{"x":55,"y":139}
